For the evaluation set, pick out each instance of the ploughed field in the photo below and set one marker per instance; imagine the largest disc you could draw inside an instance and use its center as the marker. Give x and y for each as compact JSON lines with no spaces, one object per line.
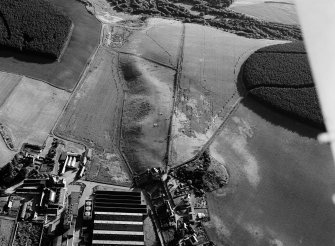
{"x":66,"y":73}
{"x":280,"y":76}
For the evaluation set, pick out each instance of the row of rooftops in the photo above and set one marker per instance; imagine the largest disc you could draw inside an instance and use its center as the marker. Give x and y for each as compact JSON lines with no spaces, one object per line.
{"x":118,"y":218}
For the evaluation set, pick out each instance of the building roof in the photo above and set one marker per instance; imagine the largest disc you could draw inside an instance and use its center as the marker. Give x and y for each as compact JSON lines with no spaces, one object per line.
{"x":74,"y":202}
{"x":118,"y":218}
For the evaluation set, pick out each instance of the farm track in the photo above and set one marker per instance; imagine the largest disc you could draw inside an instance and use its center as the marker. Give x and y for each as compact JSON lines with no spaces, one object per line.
{"x":176,"y":88}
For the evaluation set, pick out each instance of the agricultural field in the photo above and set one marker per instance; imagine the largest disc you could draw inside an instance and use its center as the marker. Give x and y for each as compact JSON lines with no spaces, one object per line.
{"x":158,"y":41}
{"x":280,"y":12}
{"x":146,"y":113}
{"x":31,"y":109}
{"x":280,"y":186}
{"x":46,"y":34}
{"x":6,"y":231}
{"x":93,"y":113}
{"x":208,"y":89}
{"x":66,"y":73}
{"x":280,"y":76}
{"x":93,"y":117}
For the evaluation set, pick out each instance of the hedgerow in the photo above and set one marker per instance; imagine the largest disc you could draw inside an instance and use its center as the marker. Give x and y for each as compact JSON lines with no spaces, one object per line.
{"x":34,"y":26}
{"x":280,"y":76}
{"x":301,"y":103}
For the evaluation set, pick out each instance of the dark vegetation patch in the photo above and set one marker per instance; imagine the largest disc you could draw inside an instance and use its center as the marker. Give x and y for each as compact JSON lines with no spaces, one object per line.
{"x":225,"y":19}
{"x":277,"y":70}
{"x":302,"y":102}
{"x":200,"y":176}
{"x":280,"y":76}
{"x":66,"y":73}
{"x":33,"y":26}
{"x":293,"y":47}
{"x":28,"y":234}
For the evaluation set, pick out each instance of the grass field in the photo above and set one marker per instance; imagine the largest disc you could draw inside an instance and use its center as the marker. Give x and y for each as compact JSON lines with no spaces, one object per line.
{"x":280,"y":186}
{"x":66,"y":73}
{"x":94,"y":112}
{"x":6,"y":231}
{"x":31,"y":110}
{"x":211,"y":62}
{"x":147,"y":110}
{"x":93,"y":117}
{"x":270,"y":11}
{"x":158,"y":41}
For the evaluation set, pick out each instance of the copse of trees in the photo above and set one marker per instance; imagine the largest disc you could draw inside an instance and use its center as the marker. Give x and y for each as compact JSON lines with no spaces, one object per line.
{"x":277,"y":69}
{"x":301,"y":103}
{"x":33,"y":26}
{"x":280,"y":76}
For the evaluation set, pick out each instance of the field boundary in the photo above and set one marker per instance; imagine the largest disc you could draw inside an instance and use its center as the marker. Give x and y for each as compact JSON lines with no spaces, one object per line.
{"x":176,"y":87}
{"x":40,"y":80}
{"x":147,"y":59}
{"x":66,"y":44}
{"x":80,"y":83}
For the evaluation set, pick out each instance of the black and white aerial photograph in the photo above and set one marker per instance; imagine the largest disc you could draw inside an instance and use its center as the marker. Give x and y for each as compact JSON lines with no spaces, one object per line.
{"x":167,"y":123}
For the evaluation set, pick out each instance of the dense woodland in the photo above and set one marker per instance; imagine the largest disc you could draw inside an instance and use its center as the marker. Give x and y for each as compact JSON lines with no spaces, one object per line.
{"x":33,"y":26}
{"x":211,"y":12}
{"x":280,"y":76}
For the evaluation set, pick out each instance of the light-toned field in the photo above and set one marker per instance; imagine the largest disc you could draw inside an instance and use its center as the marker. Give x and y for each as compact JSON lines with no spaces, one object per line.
{"x":6,"y":231}
{"x":30,"y":109}
{"x":208,"y":91}
{"x":147,"y":111}
{"x":8,"y":82}
{"x":270,"y":11}
{"x":158,"y":41}
{"x":251,"y":2}
{"x":281,"y":182}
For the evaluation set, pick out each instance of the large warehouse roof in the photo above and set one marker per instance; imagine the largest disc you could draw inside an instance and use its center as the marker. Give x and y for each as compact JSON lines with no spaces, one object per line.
{"x":118,"y":218}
